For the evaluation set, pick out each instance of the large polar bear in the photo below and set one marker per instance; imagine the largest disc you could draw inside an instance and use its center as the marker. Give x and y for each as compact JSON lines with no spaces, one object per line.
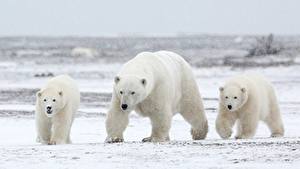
{"x":247,"y":99}
{"x":156,"y":85}
{"x":56,"y":105}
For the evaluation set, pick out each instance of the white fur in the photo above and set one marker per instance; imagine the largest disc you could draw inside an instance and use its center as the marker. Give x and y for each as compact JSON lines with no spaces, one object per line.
{"x":255,"y":100}
{"x":163,"y":84}
{"x":55,"y":128}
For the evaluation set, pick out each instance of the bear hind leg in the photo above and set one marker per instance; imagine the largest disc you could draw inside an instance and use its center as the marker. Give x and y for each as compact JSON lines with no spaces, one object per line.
{"x":194,"y":114}
{"x":248,"y":125}
{"x":274,"y":122}
{"x":160,"y":127}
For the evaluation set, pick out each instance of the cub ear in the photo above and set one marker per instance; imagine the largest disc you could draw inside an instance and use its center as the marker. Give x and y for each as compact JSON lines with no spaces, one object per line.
{"x":117,"y":79}
{"x":144,"y":82}
{"x":60,"y":93}
{"x":39,"y":93}
{"x":243,"y":89}
{"x":221,"y":89}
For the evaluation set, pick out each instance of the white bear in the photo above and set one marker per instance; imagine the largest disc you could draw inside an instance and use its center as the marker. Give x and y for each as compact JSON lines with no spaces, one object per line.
{"x":247,"y":99}
{"x":56,"y":105}
{"x":156,"y":85}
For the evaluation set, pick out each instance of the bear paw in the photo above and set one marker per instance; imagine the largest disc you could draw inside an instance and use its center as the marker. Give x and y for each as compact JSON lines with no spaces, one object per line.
{"x":114,"y":140}
{"x":198,"y":134}
{"x":225,"y":134}
{"x":52,"y":142}
{"x":238,"y":137}
{"x":147,"y":139}
{"x":243,"y":137}
{"x":155,"y":139}
{"x":57,"y":141}
{"x":276,"y":135}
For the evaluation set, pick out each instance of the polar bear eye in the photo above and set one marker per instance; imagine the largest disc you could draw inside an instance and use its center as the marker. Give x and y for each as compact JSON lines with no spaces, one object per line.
{"x":45,"y":100}
{"x":53,"y":100}
{"x":121,"y":92}
{"x":226,"y":97}
{"x":235,"y":97}
{"x":132,"y":93}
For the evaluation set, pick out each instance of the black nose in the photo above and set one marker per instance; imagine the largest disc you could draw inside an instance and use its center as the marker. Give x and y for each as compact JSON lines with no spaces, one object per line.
{"x":48,"y":107}
{"x":124,"y":106}
{"x":229,"y":107}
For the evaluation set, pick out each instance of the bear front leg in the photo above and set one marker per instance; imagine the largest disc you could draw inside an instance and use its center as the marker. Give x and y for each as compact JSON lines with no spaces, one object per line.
{"x":247,"y":125}
{"x":239,"y":130}
{"x":116,"y":124}
{"x":43,"y":125}
{"x":61,"y":129}
{"x":161,"y":124}
{"x":224,"y":124}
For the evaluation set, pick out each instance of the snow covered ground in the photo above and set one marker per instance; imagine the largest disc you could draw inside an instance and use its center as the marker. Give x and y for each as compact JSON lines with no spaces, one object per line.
{"x":21,"y":77}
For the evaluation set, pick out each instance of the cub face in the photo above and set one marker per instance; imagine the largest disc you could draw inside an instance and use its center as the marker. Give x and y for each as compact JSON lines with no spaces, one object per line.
{"x":130,"y":90}
{"x":233,"y":97}
{"x":51,"y":101}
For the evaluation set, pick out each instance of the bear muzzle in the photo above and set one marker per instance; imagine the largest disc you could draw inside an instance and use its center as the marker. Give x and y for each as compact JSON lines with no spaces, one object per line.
{"x":49,"y":110}
{"x":124,"y":106}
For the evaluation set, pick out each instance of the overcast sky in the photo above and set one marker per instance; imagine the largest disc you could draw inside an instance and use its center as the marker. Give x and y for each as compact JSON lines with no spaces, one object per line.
{"x":151,"y":17}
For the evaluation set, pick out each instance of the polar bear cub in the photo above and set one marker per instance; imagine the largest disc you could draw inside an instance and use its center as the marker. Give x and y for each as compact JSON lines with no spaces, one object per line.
{"x":156,"y":85}
{"x":247,"y":99}
{"x":56,"y":105}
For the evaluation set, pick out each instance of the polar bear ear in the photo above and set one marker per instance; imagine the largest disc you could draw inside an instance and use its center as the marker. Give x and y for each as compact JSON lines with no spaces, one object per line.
{"x":243,"y":89}
{"x":144,"y":82}
{"x":221,"y":89}
{"x":117,"y":79}
{"x":60,"y":93}
{"x":39,"y":94}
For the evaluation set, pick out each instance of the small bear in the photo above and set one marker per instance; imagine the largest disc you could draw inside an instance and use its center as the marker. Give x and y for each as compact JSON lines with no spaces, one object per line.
{"x":247,"y":99}
{"x":56,"y":105}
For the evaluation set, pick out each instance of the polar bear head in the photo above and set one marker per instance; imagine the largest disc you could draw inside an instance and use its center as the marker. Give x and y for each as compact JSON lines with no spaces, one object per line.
{"x":50,"y":101}
{"x":130,"y":90}
{"x":233,"y":97}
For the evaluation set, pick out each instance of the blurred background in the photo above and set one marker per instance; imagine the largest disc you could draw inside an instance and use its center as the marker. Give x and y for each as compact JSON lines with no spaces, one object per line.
{"x":231,"y":31}
{"x":141,"y":17}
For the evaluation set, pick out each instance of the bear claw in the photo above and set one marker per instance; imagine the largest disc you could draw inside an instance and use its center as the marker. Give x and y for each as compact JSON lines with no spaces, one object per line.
{"x":238,"y":137}
{"x":114,"y":140}
{"x":198,"y":134}
{"x":276,"y":135}
{"x":155,"y":139}
{"x":147,"y":139}
{"x":52,"y":143}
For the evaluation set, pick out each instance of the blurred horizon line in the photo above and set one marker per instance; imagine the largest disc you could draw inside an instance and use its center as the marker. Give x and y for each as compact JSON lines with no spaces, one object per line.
{"x":148,"y":35}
